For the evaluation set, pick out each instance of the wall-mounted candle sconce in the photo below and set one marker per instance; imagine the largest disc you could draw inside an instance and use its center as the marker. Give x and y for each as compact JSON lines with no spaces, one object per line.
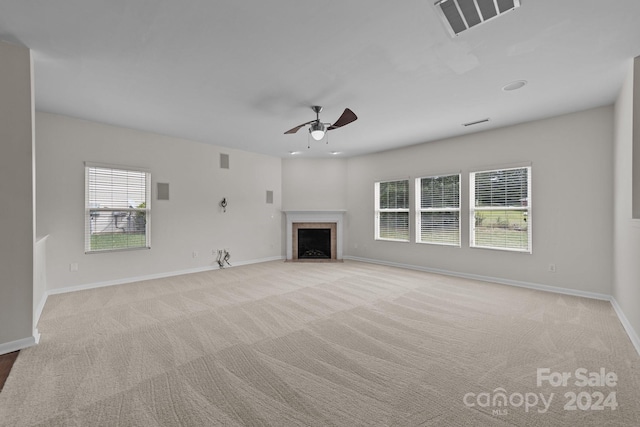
{"x":223,"y":204}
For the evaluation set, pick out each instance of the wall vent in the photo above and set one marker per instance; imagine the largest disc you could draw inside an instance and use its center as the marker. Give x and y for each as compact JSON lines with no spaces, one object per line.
{"x":163,"y":191}
{"x":224,"y":161}
{"x":460,"y":15}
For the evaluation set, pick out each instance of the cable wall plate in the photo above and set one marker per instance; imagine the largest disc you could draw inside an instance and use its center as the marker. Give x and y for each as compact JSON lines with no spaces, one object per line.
{"x":224,"y":161}
{"x":163,"y":191}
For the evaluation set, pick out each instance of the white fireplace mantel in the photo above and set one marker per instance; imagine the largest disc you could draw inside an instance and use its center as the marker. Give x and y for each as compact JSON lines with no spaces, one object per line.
{"x":315,"y":216}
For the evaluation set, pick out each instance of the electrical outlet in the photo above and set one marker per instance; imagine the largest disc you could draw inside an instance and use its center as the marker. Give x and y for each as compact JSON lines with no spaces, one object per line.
{"x":552,"y":268}
{"x":73,"y":267}
{"x":195,"y":254}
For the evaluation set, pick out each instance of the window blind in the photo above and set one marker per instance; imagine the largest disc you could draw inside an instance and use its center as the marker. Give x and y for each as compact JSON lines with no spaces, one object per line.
{"x":438,"y":213}
{"x":501,"y":209}
{"x":392,"y":210}
{"x":117,"y":208}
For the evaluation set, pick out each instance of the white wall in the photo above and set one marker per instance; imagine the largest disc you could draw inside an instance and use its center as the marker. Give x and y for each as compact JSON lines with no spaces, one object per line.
{"x":571,"y":159}
{"x":190,"y":221}
{"x":314,"y":184}
{"x":635,"y":134}
{"x":16,"y":192}
{"x":626,"y":283}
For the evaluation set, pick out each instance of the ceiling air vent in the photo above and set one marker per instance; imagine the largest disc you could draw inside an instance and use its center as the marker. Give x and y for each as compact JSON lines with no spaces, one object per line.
{"x":460,"y":15}
{"x":476,"y":122}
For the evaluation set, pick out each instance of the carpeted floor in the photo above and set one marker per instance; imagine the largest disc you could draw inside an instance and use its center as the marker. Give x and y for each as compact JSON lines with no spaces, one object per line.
{"x":344,"y":344}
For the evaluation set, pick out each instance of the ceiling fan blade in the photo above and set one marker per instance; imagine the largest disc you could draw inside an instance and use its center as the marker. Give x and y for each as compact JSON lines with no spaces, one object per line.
{"x":297,"y":128}
{"x":347,"y":117}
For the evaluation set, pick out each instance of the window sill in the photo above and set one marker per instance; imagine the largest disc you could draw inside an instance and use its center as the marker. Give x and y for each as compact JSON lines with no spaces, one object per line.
{"x":517,"y":251}
{"x":452,"y":245}
{"x":117,"y":250}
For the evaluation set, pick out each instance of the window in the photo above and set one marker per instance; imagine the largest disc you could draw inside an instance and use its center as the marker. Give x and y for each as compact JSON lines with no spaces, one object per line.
{"x":392,"y":210}
{"x":117,"y":208}
{"x":438,"y":210}
{"x":501,"y":209}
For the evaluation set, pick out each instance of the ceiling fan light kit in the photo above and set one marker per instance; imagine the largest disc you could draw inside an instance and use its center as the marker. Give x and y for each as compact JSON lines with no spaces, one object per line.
{"x":318,"y":129}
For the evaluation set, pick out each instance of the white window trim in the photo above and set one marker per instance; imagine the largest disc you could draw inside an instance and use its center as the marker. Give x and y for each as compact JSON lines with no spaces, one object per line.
{"x":378,"y":211}
{"x":473,"y":209}
{"x":88,"y":209}
{"x":420,"y":210}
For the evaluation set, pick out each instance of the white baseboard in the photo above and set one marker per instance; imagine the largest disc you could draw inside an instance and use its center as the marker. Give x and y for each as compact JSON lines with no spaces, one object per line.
{"x":21,"y":344}
{"x":124,"y":281}
{"x":633,"y":335}
{"x":518,"y":283}
{"x":151,"y":277}
{"x":258,"y":261}
{"x":39,"y":308}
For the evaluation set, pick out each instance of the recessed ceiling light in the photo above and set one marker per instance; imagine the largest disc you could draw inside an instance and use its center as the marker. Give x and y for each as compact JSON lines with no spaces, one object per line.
{"x":334,"y":153}
{"x":293,"y":153}
{"x":514,"y":85}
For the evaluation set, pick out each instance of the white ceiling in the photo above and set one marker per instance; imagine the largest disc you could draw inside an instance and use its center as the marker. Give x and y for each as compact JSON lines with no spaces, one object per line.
{"x":240,"y":73}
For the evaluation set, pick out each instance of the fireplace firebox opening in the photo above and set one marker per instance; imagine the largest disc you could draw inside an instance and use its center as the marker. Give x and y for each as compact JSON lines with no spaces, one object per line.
{"x":314,"y":243}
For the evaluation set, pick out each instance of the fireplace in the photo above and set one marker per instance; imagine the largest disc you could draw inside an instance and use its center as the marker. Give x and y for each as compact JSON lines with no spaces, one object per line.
{"x":314,"y":241}
{"x":314,"y":235}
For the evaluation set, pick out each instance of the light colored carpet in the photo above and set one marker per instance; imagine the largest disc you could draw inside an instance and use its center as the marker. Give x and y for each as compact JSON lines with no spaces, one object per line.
{"x":345,"y":344}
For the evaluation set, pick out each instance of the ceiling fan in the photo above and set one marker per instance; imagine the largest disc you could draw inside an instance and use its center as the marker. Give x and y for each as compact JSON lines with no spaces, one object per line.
{"x":318,"y":129}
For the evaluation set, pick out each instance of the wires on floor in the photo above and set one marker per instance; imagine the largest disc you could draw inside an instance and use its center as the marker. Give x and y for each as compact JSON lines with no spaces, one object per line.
{"x":223,"y":258}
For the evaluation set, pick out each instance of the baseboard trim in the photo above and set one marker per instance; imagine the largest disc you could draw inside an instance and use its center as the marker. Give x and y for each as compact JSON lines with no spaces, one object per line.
{"x":21,"y":344}
{"x":499,"y":280}
{"x":151,"y":277}
{"x":39,"y":308}
{"x":633,"y":335}
{"x":258,"y":261}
